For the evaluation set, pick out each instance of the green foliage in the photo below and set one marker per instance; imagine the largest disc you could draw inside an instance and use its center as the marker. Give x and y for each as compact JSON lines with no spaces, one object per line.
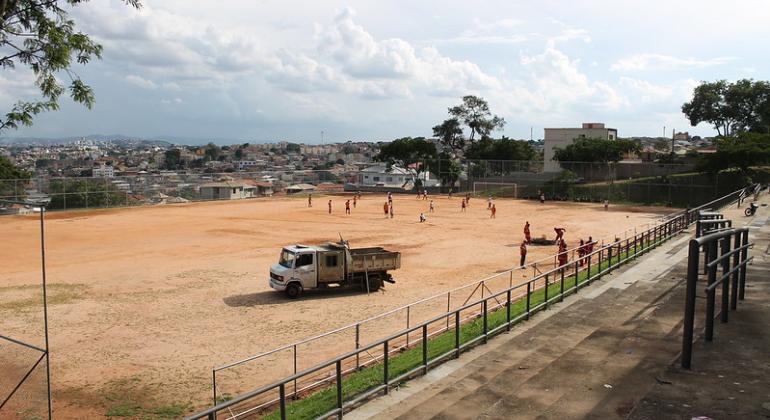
{"x":172,"y":159}
{"x":596,"y":150}
{"x":743,"y":151}
{"x":9,"y":171}
{"x":503,"y":149}
{"x":446,"y":168}
{"x":731,"y":107}
{"x":12,"y":180}
{"x":211,"y":152}
{"x":472,"y":113}
{"x":407,"y":151}
{"x":39,"y":36}
{"x":292,"y":147}
{"x":85,"y":193}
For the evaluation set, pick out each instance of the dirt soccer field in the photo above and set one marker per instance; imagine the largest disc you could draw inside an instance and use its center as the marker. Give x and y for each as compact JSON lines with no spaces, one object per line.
{"x":144,"y":302}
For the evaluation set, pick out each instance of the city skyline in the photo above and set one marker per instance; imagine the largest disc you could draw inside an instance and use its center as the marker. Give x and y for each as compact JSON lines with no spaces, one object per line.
{"x":368,"y":71}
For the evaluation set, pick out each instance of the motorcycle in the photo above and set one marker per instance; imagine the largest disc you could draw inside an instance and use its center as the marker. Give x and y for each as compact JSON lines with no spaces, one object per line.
{"x":750,"y":210}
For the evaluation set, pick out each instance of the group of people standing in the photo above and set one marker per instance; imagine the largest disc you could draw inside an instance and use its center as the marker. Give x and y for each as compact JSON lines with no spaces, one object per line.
{"x":583,"y":250}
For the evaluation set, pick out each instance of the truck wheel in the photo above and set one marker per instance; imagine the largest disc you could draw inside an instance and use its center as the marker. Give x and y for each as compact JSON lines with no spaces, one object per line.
{"x":374,"y":283}
{"x":293,"y":290}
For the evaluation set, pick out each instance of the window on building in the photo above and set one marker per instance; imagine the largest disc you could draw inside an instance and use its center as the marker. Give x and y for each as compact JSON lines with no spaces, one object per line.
{"x":376,"y":178}
{"x":331,"y":260}
{"x":612,"y":136}
{"x":390,"y":179}
{"x":233,"y":190}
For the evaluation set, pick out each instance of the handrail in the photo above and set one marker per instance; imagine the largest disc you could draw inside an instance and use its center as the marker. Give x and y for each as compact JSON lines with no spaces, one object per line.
{"x":719,"y":248}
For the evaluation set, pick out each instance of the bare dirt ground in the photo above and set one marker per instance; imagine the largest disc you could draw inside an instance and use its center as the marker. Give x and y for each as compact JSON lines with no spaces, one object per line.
{"x":144,"y":302}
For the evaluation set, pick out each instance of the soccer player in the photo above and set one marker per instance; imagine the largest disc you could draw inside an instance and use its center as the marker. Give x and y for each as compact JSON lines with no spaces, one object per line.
{"x":523,"y":253}
{"x":562,"y":253}
{"x":355,"y":199}
{"x":494,"y":212}
{"x":330,"y":206}
{"x":310,"y":200}
{"x":542,"y":198}
{"x":606,"y":205}
{"x":347,"y":207}
{"x":386,"y":209}
{"x":390,"y":207}
{"x":559,"y":233}
{"x":431,"y":206}
{"x":581,"y":251}
{"x":489,"y":203}
{"x":527,"y":235}
{"x":462,"y":206}
{"x":422,"y":217}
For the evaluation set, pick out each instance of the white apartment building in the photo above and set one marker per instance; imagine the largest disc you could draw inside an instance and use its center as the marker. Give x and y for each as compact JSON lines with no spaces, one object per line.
{"x":104,"y":171}
{"x":562,"y":137}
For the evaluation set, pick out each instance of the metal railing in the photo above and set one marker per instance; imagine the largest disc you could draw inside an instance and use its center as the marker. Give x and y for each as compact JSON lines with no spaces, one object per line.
{"x":442,"y":303}
{"x":727,"y":249}
{"x":529,"y":296}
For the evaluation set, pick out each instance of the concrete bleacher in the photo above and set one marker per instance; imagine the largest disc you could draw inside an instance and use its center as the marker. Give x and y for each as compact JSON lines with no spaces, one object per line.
{"x":611,"y":352}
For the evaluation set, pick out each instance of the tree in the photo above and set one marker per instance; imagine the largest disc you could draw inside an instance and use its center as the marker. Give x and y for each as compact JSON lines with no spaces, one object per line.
{"x":407,"y":151}
{"x":12,"y":180}
{"x":473,"y":113}
{"x":9,"y":171}
{"x":596,"y":150}
{"x":211,"y":152}
{"x":742,"y":152}
{"x":39,"y":36}
{"x":730,"y":107}
{"x":172,"y":158}
{"x":502,"y":149}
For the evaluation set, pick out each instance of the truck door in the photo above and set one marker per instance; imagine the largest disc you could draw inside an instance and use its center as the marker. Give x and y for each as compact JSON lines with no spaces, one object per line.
{"x":305,"y":270}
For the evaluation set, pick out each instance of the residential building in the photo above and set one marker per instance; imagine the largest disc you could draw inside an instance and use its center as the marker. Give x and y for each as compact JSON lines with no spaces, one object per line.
{"x":562,"y":137}
{"x":227,"y":190}
{"x":104,"y":171}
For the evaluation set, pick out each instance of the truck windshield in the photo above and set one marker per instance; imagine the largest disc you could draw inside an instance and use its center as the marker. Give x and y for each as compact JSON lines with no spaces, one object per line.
{"x":287,"y":259}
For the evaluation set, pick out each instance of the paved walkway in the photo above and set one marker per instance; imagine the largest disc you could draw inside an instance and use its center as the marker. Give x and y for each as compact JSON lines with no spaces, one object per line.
{"x":609,"y":352}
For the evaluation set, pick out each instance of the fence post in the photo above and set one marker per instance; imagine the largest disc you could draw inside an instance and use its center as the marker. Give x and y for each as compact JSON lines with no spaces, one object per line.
{"x":689,"y":307}
{"x":744,"y":257}
{"x":282,"y":398}
{"x":385,"y":366}
{"x":588,"y":269}
{"x":425,"y":349}
{"x":545,"y":290}
{"x":529,"y":288}
{"x":448,"y":298}
{"x":358,"y":345}
{"x":457,"y":334}
{"x":725,"y":248}
{"x":407,"y":324}
{"x":214,"y":384}
{"x":486,"y":325}
{"x":734,"y":277}
{"x":711,"y":293}
{"x":508,"y":309}
{"x":339,"y":384}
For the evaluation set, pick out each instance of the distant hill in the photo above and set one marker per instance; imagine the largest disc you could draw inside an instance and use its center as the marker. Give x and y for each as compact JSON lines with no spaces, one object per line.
{"x":118,"y":139}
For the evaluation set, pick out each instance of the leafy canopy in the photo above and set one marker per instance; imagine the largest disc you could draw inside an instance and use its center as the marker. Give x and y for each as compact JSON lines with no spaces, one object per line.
{"x":502,"y":149}
{"x":39,"y":36}
{"x":596,"y":150}
{"x":472,"y":113}
{"x":731,"y":107}
{"x":742,"y":151}
{"x":407,"y":151}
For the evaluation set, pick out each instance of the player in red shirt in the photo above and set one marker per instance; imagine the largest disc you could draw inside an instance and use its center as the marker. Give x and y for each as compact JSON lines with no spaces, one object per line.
{"x":559,"y":233}
{"x":527,"y":234}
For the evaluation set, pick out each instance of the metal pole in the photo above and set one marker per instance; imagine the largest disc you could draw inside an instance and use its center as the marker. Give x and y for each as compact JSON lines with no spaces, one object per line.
{"x":711,"y":293}
{"x":358,"y":344}
{"x":689,"y":307}
{"x":448,"y":297}
{"x":457,"y":334}
{"x":407,"y":324}
{"x":725,"y":248}
{"x":385,"y":366}
{"x":508,"y":310}
{"x":339,"y":384}
{"x":282,"y":398}
{"x":529,"y":288}
{"x":45,"y":312}
{"x":295,"y":370}
{"x":744,"y":257}
{"x":735,"y":275}
{"x":486,"y":326}
{"x":214,"y":383}
{"x":425,"y":349}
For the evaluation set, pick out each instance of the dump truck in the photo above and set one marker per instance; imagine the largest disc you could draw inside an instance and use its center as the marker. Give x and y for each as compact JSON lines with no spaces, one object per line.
{"x":332,"y":265}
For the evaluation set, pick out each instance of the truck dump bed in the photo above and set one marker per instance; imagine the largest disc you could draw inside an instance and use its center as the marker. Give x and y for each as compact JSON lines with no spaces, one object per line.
{"x":374,"y":259}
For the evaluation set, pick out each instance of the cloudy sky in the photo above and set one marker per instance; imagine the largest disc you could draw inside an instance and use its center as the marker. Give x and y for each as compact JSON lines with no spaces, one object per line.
{"x":266,"y":70}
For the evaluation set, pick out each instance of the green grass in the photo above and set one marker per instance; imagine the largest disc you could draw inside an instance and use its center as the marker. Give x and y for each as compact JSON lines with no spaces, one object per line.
{"x":354,"y":384}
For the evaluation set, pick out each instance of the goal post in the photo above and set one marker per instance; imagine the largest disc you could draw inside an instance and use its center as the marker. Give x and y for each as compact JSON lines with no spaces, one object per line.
{"x":497,"y":189}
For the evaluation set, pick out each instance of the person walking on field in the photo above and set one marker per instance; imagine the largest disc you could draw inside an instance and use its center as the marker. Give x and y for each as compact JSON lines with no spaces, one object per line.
{"x":386,"y":209}
{"x":523,"y":253}
{"x":354,"y":201}
{"x":559,"y":233}
{"x":422,"y":217}
{"x":462,"y":206}
{"x":489,"y":203}
{"x":562,"y":253}
{"x":527,"y":235}
{"x":581,"y":251}
{"x":431,"y":206}
{"x":542,"y":198}
{"x":310,"y":200}
{"x":390,"y":208}
{"x":330,"y":206}
{"x":347,"y":207}
{"x":606,"y":205}
{"x":494,"y":212}
{"x":424,"y":194}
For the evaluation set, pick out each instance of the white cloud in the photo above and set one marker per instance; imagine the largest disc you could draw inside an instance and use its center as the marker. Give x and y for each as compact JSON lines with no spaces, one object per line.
{"x":141,"y":82}
{"x":659,"y":62}
{"x":173,"y":101}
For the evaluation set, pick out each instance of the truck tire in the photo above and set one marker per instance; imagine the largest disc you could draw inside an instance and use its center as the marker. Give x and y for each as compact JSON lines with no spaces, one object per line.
{"x":375,"y":281}
{"x":293,"y":290}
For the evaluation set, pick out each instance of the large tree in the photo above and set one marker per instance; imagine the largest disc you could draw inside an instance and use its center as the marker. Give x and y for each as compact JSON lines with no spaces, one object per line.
{"x":38,"y":36}
{"x":731,"y":107}
{"x":407,"y":151}
{"x":474,"y":114}
{"x":742,"y":151}
{"x":12,"y":180}
{"x":501,"y":149}
{"x":596,"y":150}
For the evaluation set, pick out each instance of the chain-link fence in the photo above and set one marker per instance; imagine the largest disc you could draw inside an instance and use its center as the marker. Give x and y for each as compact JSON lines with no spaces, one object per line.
{"x":678,"y":185}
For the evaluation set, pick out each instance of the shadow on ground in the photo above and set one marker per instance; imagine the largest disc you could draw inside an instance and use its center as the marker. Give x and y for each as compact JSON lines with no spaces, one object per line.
{"x":271,"y":297}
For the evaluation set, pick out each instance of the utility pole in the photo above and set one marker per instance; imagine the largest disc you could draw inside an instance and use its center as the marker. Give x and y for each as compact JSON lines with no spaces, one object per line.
{"x":673,"y":136}
{"x":322,"y":137}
